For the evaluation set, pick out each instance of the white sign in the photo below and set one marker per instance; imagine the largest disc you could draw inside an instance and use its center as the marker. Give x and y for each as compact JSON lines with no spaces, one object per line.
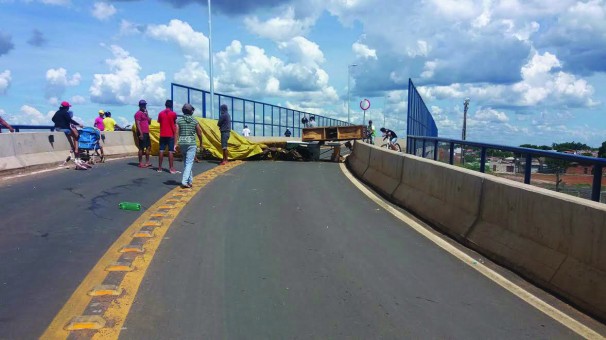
{"x":365,"y":104}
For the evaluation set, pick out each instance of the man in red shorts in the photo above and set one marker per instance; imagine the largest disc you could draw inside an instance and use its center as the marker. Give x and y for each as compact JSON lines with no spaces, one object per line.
{"x":167,"y":119}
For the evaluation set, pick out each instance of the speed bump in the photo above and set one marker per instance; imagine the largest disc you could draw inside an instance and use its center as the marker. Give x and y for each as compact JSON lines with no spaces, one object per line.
{"x":144,"y":234}
{"x":131,"y":248}
{"x":119,"y":267}
{"x":85,"y":322}
{"x":105,"y":290}
{"x":153,"y":224}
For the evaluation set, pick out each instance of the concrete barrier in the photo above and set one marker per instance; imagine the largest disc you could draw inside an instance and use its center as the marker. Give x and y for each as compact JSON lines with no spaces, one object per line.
{"x":554,"y":240}
{"x":384,"y":170}
{"x":444,"y":195}
{"x":28,"y":150}
{"x":359,"y":159}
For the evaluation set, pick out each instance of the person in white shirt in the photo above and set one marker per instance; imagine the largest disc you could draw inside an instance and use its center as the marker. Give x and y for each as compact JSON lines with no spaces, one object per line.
{"x":246,"y":131}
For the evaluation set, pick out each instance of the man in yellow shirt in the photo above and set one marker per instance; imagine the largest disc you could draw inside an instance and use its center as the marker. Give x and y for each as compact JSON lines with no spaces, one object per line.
{"x":109,"y":123}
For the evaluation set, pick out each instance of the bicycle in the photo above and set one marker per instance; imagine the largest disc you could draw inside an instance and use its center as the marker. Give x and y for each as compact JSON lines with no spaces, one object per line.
{"x":397,"y":145}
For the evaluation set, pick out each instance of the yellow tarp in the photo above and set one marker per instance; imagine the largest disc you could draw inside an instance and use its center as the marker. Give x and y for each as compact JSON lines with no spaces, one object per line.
{"x":238,"y":147}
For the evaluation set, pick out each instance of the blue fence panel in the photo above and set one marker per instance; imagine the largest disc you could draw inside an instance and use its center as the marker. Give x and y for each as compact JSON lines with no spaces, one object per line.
{"x":420,"y":122}
{"x":263,"y":119}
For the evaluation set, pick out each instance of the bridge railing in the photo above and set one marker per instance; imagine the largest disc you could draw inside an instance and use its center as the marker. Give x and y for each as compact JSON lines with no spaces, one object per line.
{"x":262,"y":119}
{"x":429,"y":147}
{"x":21,"y":128}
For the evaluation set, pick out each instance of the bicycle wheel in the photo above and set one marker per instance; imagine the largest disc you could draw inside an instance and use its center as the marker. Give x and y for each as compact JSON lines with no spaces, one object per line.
{"x":398,"y":147}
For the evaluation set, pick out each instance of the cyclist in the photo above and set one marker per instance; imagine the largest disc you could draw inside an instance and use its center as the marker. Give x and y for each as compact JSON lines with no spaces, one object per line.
{"x":391,"y":136}
{"x":371,"y":132}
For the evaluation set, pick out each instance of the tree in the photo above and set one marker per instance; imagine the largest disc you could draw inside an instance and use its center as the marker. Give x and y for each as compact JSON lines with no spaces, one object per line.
{"x":554,"y":165}
{"x":602,"y":150}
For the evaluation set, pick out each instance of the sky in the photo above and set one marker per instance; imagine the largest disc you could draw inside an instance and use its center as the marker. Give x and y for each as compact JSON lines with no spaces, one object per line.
{"x":534,"y":70}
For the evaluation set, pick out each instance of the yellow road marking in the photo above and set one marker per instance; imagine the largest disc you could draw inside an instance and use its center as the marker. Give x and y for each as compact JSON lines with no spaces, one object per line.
{"x":119,"y":308}
{"x":513,"y":288}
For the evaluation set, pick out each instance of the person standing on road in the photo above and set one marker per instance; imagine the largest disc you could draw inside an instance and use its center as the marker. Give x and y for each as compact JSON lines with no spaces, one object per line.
{"x":224,"y":124}
{"x":167,"y":119}
{"x":142,"y":121}
{"x":246,"y":131}
{"x":7,"y":125}
{"x":187,"y":128}
{"x":371,"y":132}
{"x":99,"y":121}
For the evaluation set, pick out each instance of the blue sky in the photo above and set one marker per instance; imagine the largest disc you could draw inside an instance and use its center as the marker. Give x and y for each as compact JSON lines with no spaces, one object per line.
{"x":534,"y":70}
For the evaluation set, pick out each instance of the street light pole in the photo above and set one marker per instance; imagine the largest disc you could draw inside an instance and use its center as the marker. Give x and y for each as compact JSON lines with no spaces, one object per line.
{"x":348,"y":100}
{"x":210,"y":61}
{"x":464,"y":134}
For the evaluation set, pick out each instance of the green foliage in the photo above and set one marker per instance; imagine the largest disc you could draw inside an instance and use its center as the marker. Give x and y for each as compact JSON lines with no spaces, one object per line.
{"x":475,"y":166}
{"x":498,"y":153}
{"x":570,"y":146}
{"x":532,"y":146}
{"x":602,"y":150}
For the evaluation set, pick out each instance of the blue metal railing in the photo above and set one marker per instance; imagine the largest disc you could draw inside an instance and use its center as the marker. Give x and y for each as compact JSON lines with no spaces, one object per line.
{"x":262,"y":119}
{"x":430,"y":145}
{"x":420,"y":122}
{"x":18,"y":128}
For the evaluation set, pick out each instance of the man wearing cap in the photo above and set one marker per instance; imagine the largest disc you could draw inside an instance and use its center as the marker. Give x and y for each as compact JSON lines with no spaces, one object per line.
{"x":99,"y":121}
{"x":167,"y":119}
{"x":63,"y":122}
{"x":224,"y":124}
{"x":187,"y":129}
{"x":142,"y":121}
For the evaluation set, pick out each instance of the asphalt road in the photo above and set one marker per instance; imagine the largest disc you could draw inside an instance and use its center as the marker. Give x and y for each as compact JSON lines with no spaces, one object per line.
{"x":55,"y":226}
{"x":275,"y":250}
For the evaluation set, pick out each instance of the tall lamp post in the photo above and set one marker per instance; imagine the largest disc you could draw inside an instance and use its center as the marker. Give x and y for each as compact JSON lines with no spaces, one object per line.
{"x":385,"y":108}
{"x":464,"y":134}
{"x":348,"y":77}
{"x":210,"y":61}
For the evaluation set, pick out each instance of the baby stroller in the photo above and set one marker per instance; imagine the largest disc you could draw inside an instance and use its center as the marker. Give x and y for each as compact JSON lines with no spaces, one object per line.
{"x":89,"y":141}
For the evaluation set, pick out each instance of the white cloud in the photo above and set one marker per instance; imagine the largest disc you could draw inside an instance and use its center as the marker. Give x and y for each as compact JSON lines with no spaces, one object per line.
{"x":362,"y":51}
{"x":56,"y":2}
{"x":300,"y":50}
{"x":57,"y":81}
{"x":103,"y":10}
{"x":28,"y":115}
{"x":124,"y":85}
{"x":280,"y":28}
{"x":193,"y":74}
{"x":5,"y":81}
{"x":247,"y":71}
{"x":421,"y":49}
{"x":193,"y":43}
{"x":77,"y":100}
{"x":541,"y":85}
{"x":490,"y":115}
{"x":129,"y":28}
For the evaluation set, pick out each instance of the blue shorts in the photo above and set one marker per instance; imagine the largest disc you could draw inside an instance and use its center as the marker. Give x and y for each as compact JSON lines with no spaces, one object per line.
{"x":66,"y":131}
{"x":393,"y":140}
{"x":167,"y":141}
{"x":224,"y":139}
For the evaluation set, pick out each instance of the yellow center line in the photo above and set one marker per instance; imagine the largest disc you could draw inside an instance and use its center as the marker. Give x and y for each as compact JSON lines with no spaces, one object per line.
{"x":118,"y":310}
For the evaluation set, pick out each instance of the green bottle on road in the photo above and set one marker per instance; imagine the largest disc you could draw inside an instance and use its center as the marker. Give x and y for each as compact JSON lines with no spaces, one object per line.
{"x":130,"y":206}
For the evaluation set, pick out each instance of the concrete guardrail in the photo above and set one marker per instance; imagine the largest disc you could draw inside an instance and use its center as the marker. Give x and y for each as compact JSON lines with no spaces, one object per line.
{"x":554,"y":240}
{"x":27,"y":150}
